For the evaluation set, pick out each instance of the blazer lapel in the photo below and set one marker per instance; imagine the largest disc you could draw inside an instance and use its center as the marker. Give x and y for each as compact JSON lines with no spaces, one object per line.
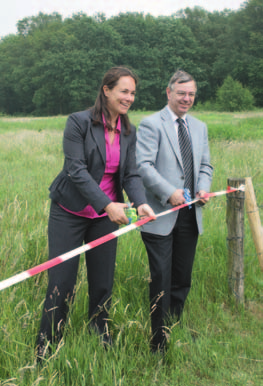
{"x":171,"y":133}
{"x":99,"y":137}
{"x":123,"y":146}
{"x":195,"y":141}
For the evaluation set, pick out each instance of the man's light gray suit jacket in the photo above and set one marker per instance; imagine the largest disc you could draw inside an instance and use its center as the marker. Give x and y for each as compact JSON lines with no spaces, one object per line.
{"x":160,"y":165}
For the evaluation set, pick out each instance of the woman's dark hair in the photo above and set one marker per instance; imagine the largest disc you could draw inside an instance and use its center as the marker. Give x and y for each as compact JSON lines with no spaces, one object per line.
{"x":110,"y":80}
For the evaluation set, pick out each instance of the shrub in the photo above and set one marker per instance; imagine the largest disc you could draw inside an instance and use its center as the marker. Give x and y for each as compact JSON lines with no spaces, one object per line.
{"x":205,"y":106}
{"x":232,"y":96}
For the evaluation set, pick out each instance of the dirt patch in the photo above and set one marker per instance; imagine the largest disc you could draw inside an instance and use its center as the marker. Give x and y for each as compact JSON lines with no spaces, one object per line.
{"x":256,"y":309}
{"x":249,"y":114}
{"x":23,"y":119}
{"x":28,"y":140}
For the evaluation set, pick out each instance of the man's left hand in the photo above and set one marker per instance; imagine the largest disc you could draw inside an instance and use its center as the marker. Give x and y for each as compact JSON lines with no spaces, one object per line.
{"x":203,"y":197}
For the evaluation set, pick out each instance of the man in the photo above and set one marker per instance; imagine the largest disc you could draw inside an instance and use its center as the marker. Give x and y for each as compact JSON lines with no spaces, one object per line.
{"x":173,"y":155}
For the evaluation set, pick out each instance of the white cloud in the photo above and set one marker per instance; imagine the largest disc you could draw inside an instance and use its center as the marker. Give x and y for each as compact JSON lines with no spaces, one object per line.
{"x":11,"y":11}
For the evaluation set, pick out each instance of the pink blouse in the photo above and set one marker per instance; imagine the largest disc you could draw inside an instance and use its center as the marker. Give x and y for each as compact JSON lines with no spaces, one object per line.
{"x":107,"y":183}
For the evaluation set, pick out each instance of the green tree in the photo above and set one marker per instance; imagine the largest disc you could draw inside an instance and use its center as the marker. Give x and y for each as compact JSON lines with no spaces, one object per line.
{"x":54,"y":66}
{"x":16,"y":76}
{"x":232,"y":96}
{"x":253,"y":16}
{"x":30,"y":24}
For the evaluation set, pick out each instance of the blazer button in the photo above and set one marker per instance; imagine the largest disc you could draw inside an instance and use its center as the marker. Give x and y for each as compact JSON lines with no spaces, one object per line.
{"x":182,"y":177}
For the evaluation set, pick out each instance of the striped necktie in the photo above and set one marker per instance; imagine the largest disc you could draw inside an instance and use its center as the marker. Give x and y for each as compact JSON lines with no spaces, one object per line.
{"x":187,"y":155}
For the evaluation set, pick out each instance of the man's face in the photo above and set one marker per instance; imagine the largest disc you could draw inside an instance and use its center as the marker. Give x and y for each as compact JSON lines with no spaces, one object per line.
{"x":181,"y":97}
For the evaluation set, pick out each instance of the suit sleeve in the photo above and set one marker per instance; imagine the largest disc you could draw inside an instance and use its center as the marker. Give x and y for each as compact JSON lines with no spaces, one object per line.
{"x":148,"y":139}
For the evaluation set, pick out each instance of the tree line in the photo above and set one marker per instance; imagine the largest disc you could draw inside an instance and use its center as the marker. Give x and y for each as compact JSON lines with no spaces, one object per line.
{"x":54,"y":66}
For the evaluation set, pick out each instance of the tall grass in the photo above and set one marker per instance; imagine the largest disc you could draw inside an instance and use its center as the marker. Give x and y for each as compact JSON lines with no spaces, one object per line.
{"x":227,"y":349}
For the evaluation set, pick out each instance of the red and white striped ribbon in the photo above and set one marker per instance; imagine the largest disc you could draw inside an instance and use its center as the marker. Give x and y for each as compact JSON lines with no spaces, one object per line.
{"x":69,"y":255}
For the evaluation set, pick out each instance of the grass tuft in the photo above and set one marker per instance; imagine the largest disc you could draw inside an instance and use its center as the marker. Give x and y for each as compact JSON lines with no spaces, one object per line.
{"x":218,"y":343}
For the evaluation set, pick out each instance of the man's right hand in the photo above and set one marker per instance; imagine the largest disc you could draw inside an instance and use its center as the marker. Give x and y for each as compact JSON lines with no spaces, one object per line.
{"x":177,"y":198}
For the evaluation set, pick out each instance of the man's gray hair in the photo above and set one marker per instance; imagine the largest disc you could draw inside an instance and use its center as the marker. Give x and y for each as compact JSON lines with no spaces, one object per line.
{"x":180,"y":76}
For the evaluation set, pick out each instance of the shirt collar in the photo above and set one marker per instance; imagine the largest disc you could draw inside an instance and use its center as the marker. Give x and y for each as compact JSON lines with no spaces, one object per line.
{"x":118,"y":126}
{"x":174,"y":116}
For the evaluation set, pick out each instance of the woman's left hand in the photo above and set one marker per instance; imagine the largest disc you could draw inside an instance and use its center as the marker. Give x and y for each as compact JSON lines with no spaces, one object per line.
{"x":146,"y":211}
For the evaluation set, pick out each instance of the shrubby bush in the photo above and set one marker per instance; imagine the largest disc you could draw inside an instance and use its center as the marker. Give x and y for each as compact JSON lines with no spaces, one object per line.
{"x":232,"y":96}
{"x":205,"y":106}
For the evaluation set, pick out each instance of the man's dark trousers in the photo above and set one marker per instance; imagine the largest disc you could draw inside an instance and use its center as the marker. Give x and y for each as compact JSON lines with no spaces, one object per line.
{"x":171,"y":260}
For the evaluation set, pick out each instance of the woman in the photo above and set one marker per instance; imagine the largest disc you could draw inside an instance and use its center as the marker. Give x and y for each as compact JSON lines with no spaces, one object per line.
{"x":87,"y":203}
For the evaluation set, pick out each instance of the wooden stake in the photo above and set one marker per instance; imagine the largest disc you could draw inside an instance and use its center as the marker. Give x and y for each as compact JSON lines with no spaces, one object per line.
{"x":254,"y":220}
{"x":235,"y":225}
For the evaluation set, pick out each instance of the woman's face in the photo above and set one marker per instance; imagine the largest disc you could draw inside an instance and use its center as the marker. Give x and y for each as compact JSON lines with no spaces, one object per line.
{"x":121,"y":97}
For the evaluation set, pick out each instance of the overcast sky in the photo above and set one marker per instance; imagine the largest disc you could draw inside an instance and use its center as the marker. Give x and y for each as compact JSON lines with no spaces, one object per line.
{"x":11,"y":11}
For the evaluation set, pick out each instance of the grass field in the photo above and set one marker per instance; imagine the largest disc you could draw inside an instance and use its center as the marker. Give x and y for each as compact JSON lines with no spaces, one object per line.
{"x":227,"y":349}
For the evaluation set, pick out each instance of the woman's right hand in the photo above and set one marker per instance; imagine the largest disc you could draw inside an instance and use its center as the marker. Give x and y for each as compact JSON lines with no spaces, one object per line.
{"x":116,"y":212}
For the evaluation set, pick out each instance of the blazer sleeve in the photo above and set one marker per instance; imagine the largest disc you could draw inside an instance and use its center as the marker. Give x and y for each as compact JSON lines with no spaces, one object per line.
{"x":75,"y":187}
